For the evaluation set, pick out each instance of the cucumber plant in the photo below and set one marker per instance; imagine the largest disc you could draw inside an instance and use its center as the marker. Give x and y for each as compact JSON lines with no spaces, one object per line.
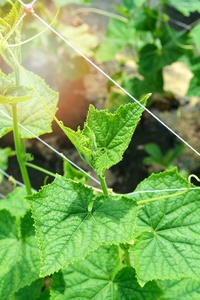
{"x":146,"y":33}
{"x":71,"y":241}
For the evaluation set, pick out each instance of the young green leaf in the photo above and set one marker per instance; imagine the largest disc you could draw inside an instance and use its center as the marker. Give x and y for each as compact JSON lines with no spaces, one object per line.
{"x":74,"y":174}
{"x":15,"y":204}
{"x":106,"y":136}
{"x":32,"y":114}
{"x":19,"y":255}
{"x":184,"y":289}
{"x":67,"y":231}
{"x":167,"y":245}
{"x":101,"y":276}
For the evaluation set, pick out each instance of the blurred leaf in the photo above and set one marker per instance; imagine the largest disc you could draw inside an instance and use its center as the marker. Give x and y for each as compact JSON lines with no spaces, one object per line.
{"x":67,"y":2}
{"x":81,"y":37}
{"x":132,"y":5}
{"x":118,"y":35}
{"x":194,"y":33}
{"x":154,"y":150}
{"x":177,"y":151}
{"x":184,"y":6}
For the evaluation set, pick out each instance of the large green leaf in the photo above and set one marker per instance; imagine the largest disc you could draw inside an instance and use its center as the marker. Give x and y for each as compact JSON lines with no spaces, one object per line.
{"x":106,"y":136}
{"x":184,"y":289}
{"x":168,"y":244}
{"x":19,"y":255}
{"x":14,"y":202}
{"x":32,"y":114}
{"x":184,"y":6}
{"x":101,"y":276}
{"x":67,"y":229}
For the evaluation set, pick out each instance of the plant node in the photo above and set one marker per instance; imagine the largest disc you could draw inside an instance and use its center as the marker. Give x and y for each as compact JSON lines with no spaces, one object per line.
{"x":28,"y":9}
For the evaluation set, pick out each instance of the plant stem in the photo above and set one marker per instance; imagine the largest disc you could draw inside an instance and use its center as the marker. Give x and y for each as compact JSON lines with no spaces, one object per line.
{"x":18,"y":150}
{"x":103,"y":185}
{"x":40,"y":169}
{"x":127,"y":258}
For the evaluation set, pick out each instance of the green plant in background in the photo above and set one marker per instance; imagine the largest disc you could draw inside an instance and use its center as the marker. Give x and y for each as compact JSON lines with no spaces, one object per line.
{"x":150,"y":41}
{"x":72,"y":241}
{"x":163,"y":161}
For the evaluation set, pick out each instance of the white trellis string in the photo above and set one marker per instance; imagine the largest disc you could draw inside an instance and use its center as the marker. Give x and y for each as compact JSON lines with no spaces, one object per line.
{"x":166,"y":190}
{"x":50,"y":147}
{"x":113,"y":81}
{"x":9,"y":176}
{"x":2,"y":196}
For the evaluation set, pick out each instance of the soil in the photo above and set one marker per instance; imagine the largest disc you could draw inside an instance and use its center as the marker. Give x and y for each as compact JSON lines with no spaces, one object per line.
{"x":74,"y":101}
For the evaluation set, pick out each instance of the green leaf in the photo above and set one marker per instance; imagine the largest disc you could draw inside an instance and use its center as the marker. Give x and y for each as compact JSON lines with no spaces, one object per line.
{"x":98,"y":276}
{"x":32,"y":114}
{"x":74,"y":174}
{"x":31,"y":292}
{"x":154,"y":150}
{"x":81,"y":37}
{"x":45,"y":295}
{"x":7,"y":25}
{"x":184,"y":289}
{"x":132,"y":5}
{"x":10,"y":93}
{"x":194,"y":65}
{"x":194,"y":33}
{"x":184,"y":6}
{"x":67,"y":230}
{"x":177,"y":151}
{"x":119,"y":34}
{"x":194,"y":89}
{"x":4,"y":153}
{"x":14,"y":203}
{"x":106,"y":136}
{"x":167,"y":245}
{"x":19,"y":255}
